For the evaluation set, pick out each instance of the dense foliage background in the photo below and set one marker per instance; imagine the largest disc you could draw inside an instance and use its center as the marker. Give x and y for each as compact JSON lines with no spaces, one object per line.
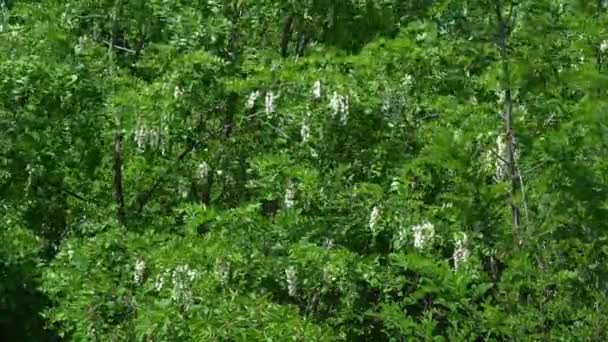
{"x":277,"y":170}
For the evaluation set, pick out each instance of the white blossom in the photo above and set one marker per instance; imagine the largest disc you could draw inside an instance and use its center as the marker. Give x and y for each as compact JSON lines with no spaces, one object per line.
{"x":222,"y":271}
{"x":339,"y":105}
{"x":604,"y":46}
{"x":292,"y":279}
{"x":138,"y":271}
{"x":374,"y":218}
{"x":501,"y":96}
{"x":316,"y":90}
{"x":251,"y":99}
{"x":305,"y":131}
{"x":159,"y":282}
{"x":502,"y":156}
{"x":177,"y":92}
{"x":183,"y":277}
{"x":400,"y":239}
{"x":203,"y":170}
{"x":407,"y":80}
{"x":290,"y":195}
{"x":395,"y":185}
{"x":80,"y":46}
{"x":331,"y":273}
{"x":386,"y":104}
{"x":501,"y":153}
{"x":461,"y":253}
{"x":328,"y":243}
{"x":140,"y":138}
{"x":147,"y":138}
{"x":423,"y":234}
{"x":269,"y":104}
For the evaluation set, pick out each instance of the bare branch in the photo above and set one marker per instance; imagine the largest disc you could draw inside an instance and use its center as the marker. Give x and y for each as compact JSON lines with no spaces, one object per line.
{"x":119,"y":47}
{"x":512,"y":170}
{"x":119,"y":197}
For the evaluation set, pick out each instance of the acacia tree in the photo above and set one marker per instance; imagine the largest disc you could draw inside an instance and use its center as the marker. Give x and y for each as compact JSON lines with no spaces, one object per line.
{"x":350,"y":170}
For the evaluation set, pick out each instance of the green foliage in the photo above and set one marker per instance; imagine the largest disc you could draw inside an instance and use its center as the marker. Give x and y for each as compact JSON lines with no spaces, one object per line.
{"x":303,"y":170}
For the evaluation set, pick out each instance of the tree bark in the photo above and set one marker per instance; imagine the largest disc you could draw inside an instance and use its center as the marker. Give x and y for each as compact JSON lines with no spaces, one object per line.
{"x":511,"y":167}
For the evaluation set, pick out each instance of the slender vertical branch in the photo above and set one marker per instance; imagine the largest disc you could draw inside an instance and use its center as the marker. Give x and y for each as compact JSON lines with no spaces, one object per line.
{"x":118,"y":189}
{"x":117,"y":162}
{"x":512,"y":173}
{"x":286,"y":35}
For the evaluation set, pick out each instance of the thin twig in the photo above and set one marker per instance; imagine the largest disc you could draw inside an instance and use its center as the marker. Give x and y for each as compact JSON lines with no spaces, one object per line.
{"x":119,"y":47}
{"x":119,"y":197}
{"x":523,"y":192}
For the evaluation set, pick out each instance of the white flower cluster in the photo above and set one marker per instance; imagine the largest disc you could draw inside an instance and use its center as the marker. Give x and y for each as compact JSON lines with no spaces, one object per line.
{"x":138,"y":271}
{"x":253,"y":97}
{"x":395,"y":185}
{"x":604,"y":46}
{"x":222,"y":271}
{"x":316,"y":90}
{"x":305,"y":131}
{"x":461,"y":253}
{"x":423,"y":234}
{"x":400,"y":239}
{"x":290,"y":195}
{"x":159,"y":283}
{"x":177,"y":92}
{"x":147,"y":138}
{"x":339,"y":105}
{"x":328,"y":243}
{"x":407,"y":81}
{"x":331,"y":273}
{"x":80,"y":47}
{"x":183,"y":277}
{"x":501,"y":154}
{"x":374,"y":218}
{"x":269,"y":102}
{"x":203,"y":171}
{"x":292,"y":280}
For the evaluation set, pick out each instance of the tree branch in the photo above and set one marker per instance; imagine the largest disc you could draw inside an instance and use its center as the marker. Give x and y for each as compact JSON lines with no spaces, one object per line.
{"x":119,"y":197}
{"x":503,"y":31}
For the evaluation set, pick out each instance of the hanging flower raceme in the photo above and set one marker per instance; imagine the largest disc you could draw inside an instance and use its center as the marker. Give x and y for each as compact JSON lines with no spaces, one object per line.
{"x":501,"y":157}
{"x":290,"y":195}
{"x":461,"y":253}
{"x":222,"y":271}
{"x":269,"y":102}
{"x":604,"y":46}
{"x":251,"y":99}
{"x":183,"y":277}
{"x":203,"y":171}
{"x":147,"y":138}
{"x":423,"y":234}
{"x":138,"y":271}
{"x":177,"y":92}
{"x":400,"y":239}
{"x":159,"y":282}
{"x":374,"y":218}
{"x":340,"y":106}
{"x":316,"y":90}
{"x":305,"y":131}
{"x":501,"y":153}
{"x":292,"y":280}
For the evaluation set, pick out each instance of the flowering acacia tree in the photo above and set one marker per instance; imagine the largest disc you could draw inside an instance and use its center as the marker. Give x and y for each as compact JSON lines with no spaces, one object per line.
{"x":344,"y":170}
